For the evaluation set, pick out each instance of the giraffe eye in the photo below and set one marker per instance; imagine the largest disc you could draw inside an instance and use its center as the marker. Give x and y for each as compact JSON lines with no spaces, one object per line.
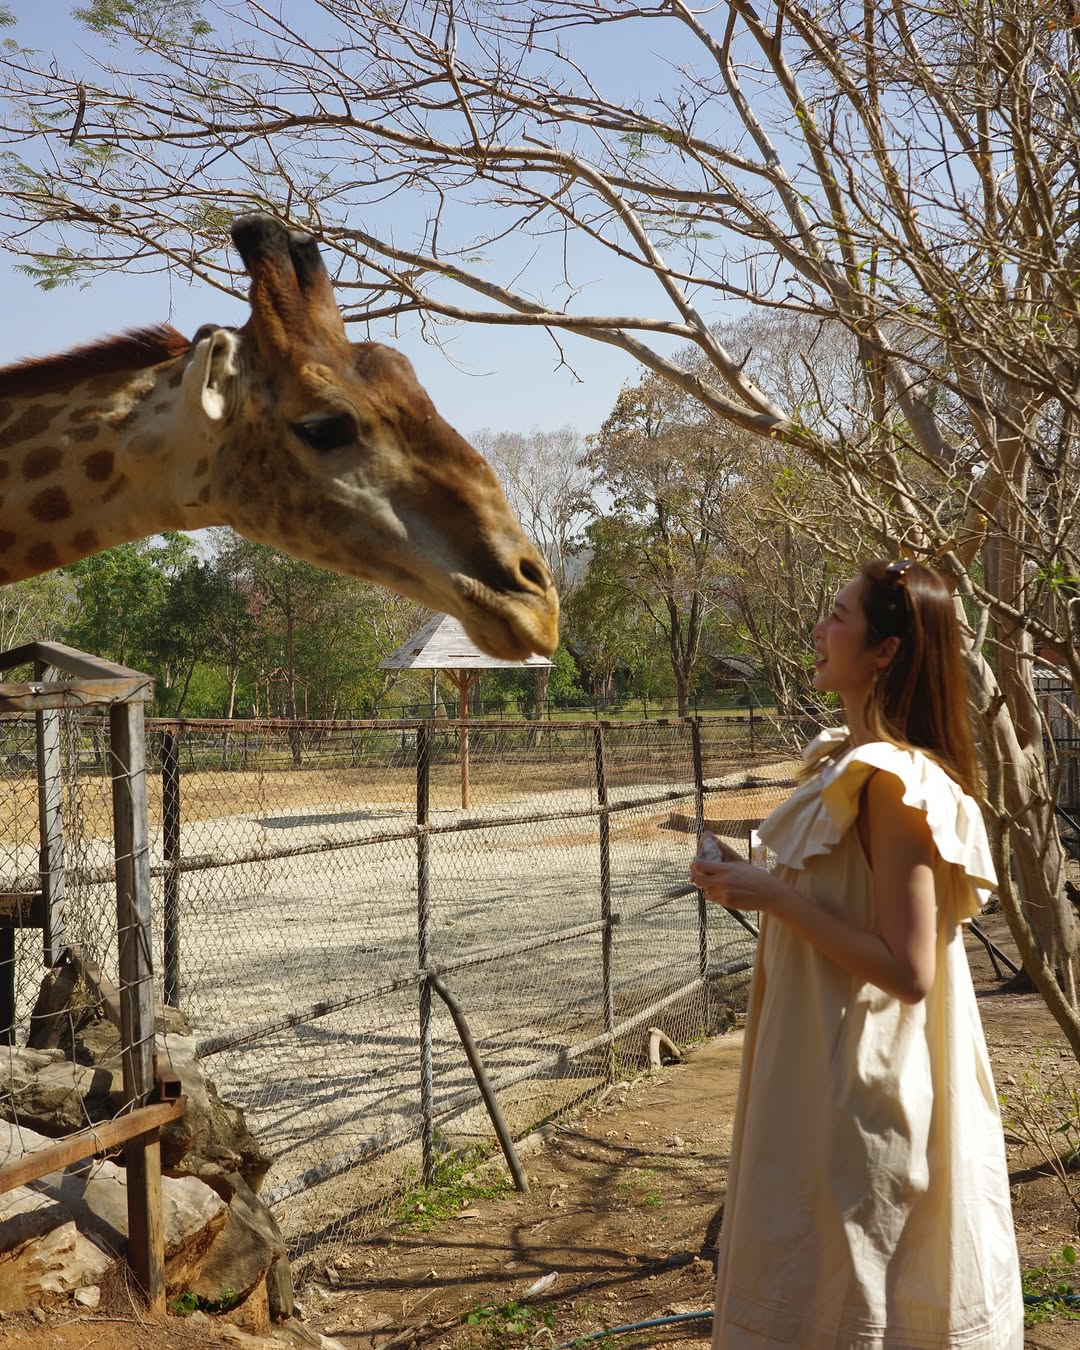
{"x":324,"y":432}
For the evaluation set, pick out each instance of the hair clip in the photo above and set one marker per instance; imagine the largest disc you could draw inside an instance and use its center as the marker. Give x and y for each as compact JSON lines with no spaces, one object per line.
{"x":898,"y":568}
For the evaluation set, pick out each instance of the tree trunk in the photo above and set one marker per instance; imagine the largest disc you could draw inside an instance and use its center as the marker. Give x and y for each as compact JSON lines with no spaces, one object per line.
{"x":1021,"y":827}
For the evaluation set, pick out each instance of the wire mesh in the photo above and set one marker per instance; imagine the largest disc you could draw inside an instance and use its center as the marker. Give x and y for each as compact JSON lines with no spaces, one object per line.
{"x":305,"y":922}
{"x":60,"y":981}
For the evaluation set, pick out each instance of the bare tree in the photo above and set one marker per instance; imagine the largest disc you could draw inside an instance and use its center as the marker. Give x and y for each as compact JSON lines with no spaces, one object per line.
{"x":546,"y":482}
{"x":908,"y":175}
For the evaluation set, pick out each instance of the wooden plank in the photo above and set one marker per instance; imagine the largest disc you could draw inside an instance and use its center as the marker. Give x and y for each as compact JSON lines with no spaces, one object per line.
{"x":69,"y":660}
{"x":7,"y":986}
{"x":83,"y":694}
{"x":99,"y":983}
{"x":22,"y":909}
{"x":170,"y":852}
{"x":133,"y":918}
{"x":146,"y":1234}
{"x":88,"y":1143}
{"x":146,"y":1227}
{"x":51,"y":834}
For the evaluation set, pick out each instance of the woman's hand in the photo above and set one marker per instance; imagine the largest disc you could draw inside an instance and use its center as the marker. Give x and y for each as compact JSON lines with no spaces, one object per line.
{"x":734,"y":883}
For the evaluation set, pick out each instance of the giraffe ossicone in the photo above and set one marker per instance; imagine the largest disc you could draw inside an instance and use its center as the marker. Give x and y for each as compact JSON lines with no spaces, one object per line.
{"x":283,"y":429}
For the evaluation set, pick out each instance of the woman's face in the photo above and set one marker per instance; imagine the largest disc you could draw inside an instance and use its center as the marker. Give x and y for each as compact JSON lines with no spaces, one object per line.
{"x":845,"y":664}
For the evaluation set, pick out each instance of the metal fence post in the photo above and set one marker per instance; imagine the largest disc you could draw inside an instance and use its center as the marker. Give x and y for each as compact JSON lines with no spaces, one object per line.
{"x":702,"y":903}
{"x":608,"y":934}
{"x":146,"y":1236}
{"x":170,"y":846}
{"x":423,"y":943}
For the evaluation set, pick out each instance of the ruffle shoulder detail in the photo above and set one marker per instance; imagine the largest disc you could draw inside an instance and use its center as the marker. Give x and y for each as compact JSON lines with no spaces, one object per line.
{"x":821,"y":811}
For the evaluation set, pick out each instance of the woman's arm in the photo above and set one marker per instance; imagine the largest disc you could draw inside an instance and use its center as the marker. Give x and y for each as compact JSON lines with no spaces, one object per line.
{"x":899,"y":954}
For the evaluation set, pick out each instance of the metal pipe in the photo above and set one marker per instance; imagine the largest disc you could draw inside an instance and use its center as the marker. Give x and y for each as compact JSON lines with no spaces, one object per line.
{"x":506,"y":1141}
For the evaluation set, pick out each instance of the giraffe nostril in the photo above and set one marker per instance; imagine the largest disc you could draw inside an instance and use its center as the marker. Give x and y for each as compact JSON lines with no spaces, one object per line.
{"x":534,"y":574}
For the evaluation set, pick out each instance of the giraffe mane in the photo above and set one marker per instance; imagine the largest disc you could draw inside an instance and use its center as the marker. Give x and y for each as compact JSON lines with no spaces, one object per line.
{"x":135,"y":350}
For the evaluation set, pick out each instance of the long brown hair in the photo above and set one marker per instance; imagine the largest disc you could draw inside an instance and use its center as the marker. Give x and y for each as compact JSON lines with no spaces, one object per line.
{"x":920,"y":700}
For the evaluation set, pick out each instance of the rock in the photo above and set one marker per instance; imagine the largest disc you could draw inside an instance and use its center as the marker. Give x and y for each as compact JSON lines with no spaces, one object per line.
{"x":252,"y":1314}
{"x":74,"y":1076}
{"x":89,"y":1296}
{"x":94,"y":1196}
{"x":245,"y":1249}
{"x":279,"y":1290}
{"x":43,"y":1256}
{"x":211,"y":1130}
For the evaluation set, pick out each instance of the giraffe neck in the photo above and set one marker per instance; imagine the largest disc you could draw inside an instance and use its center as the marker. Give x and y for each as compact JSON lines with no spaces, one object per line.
{"x":103,"y":461}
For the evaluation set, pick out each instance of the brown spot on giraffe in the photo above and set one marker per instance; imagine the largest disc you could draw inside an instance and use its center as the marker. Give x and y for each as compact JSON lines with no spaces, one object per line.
{"x":118,"y":485}
{"x":80,"y":434}
{"x":203,"y":466}
{"x":99,"y":466}
{"x":43,"y":557}
{"x":5,"y":468}
{"x":32,"y":423}
{"x":204,"y":495}
{"x":40,"y":462}
{"x":5,"y":576}
{"x":86,"y":541}
{"x":7,"y":538}
{"x":51,"y":505}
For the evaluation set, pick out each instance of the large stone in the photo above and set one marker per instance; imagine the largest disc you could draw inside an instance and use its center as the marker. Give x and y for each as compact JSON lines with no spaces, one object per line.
{"x":56,"y":1091}
{"x":211,"y":1130}
{"x":43,"y":1256}
{"x":94,"y":1196}
{"x":245,"y":1249}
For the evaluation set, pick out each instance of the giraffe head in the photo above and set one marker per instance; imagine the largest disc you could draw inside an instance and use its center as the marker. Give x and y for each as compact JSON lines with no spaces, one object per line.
{"x":333,"y":452}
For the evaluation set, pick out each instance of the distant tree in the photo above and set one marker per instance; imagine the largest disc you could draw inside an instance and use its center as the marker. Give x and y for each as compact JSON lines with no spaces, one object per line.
{"x":665,"y":464}
{"x":34,"y":610}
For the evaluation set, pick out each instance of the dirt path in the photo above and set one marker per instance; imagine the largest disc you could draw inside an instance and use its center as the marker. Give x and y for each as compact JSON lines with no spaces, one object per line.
{"x":623,"y":1212}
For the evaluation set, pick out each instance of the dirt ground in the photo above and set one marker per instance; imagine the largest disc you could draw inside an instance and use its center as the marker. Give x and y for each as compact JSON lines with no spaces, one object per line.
{"x":620,"y":1223}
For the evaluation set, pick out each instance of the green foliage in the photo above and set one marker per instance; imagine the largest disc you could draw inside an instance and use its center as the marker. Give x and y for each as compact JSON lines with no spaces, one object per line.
{"x":1044,"y":1112}
{"x":63,"y":268}
{"x":188,"y":1302}
{"x":510,"y":1320}
{"x":456,"y":1182}
{"x":151,"y":20}
{"x":1054,"y":1289}
{"x":183,"y":1305}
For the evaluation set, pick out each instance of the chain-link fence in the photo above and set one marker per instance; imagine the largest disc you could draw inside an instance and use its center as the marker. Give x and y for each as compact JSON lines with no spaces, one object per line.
{"x":312,"y":878}
{"x":76,"y":978}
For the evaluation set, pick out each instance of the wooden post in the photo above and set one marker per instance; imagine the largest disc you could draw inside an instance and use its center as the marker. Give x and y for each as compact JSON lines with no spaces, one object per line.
{"x":702,"y":903}
{"x":423,"y":941}
{"x":607,"y":938}
{"x":51,"y":827}
{"x":170,"y":846}
{"x":146,"y":1235}
{"x":7,"y":986}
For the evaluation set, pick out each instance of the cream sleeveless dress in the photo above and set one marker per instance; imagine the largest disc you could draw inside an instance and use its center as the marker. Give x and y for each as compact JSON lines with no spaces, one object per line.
{"x":867,"y":1204}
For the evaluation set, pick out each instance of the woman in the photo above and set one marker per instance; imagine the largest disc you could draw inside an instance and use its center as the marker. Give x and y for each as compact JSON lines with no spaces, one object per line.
{"x":867,"y":1205}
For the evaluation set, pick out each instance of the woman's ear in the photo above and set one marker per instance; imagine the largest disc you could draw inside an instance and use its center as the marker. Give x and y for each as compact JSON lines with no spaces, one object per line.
{"x":886,"y":653}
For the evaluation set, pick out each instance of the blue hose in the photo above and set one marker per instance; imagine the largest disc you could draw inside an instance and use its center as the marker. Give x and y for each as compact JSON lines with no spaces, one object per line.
{"x":1070,"y":1301}
{"x":636,"y":1326}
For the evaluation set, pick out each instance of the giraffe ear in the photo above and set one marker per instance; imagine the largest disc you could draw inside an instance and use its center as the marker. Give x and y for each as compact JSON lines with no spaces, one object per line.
{"x":211,"y":369}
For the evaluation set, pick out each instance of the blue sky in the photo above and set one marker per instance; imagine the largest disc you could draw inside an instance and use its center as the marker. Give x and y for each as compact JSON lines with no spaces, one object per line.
{"x":507,"y":379}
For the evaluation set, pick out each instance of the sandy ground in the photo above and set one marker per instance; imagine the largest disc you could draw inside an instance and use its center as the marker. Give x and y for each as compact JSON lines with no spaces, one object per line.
{"x":623,"y":1211}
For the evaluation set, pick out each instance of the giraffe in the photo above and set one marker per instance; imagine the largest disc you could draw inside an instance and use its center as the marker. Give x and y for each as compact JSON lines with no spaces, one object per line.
{"x":282,"y":429}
